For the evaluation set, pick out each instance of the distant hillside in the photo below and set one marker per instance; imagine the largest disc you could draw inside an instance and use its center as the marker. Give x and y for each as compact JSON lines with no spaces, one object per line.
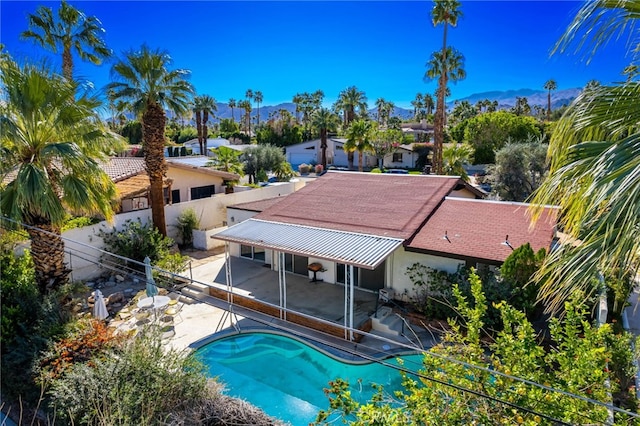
{"x":507,"y":98}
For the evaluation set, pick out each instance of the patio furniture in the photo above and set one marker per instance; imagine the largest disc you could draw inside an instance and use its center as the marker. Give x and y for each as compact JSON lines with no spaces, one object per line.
{"x":315,"y":267}
{"x":172,"y":312}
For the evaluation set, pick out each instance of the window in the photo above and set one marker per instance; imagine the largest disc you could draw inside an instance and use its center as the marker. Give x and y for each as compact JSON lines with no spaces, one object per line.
{"x":310,"y":147}
{"x":251,"y":252}
{"x":397,"y":157}
{"x":202,"y":192}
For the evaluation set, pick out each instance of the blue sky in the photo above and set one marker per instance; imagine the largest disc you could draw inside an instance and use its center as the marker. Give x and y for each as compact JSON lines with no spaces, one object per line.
{"x":282,"y":48}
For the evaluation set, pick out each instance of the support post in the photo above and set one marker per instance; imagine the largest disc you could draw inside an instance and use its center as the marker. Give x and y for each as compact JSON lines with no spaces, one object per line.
{"x":351,"y":289}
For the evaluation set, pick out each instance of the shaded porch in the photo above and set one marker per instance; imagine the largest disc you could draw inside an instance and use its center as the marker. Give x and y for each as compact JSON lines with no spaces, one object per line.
{"x":255,"y":284}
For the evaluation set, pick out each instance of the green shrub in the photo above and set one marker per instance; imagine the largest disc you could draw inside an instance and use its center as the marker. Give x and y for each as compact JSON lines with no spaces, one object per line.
{"x":187,"y":223}
{"x":141,"y":382}
{"x":79,"y":222}
{"x":376,"y":170}
{"x":29,"y":321}
{"x":137,"y":241}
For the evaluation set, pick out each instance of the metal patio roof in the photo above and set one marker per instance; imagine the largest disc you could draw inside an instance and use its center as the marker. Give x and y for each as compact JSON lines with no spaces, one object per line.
{"x":362,"y":250}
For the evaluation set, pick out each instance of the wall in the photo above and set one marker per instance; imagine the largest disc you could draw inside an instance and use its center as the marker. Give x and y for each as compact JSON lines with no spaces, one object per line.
{"x":402,"y":259}
{"x":184,"y":180}
{"x":86,"y":245}
{"x":408,"y":160}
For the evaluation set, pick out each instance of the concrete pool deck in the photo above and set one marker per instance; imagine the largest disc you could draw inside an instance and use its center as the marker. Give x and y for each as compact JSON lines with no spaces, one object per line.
{"x":206,"y":317}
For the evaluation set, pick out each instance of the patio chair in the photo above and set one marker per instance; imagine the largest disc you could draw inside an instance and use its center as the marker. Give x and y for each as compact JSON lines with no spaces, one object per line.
{"x":173,"y":312}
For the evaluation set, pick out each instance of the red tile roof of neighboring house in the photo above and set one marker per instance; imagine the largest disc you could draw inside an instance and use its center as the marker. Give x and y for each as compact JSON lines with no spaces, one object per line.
{"x":256,"y":206}
{"x":477,"y":229}
{"x":378,"y":204}
{"x":120,"y":168}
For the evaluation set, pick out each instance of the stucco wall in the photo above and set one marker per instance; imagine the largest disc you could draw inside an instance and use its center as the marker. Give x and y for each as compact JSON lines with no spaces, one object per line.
{"x":402,"y":259}
{"x":85,"y":244}
{"x":184,"y":180}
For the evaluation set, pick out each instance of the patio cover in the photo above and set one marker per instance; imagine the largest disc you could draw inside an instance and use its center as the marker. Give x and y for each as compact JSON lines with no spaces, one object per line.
{"x":362,"y":250}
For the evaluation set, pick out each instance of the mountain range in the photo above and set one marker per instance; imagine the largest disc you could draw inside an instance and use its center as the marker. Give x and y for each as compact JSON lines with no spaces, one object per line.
{"x":506,"y":99}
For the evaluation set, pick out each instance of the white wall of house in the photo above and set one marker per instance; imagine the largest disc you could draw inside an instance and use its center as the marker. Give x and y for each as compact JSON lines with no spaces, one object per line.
{"x":401,"y":260}
{"x":305,"y":152}
{"x":86,"y":245}
{"x":185,"y":180}
{"x":235,"y":216}
{"x":405,"y":159}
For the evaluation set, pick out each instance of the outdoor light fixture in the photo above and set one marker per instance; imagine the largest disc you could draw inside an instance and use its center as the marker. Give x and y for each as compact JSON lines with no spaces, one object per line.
{"x":507,"y":243}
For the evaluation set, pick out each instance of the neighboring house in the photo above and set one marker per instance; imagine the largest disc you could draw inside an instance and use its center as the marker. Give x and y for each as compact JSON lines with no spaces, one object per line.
{"x":402,"y":158}
{"x":211,"y":143}
{"x":187,"y":179}
{"x":422,"y":131}
{"x":309,"y":152}
{"x":366,"y":229}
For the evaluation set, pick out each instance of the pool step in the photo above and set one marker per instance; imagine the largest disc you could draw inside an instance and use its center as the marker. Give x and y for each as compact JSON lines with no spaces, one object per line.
{"x":386,"y":322}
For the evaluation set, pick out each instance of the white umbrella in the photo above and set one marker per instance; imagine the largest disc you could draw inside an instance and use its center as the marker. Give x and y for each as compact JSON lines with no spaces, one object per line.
{"x":99,"y":306}
{"x":152,"y":289}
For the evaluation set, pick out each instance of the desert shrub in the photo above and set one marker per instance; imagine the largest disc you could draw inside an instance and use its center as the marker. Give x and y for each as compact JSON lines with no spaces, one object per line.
{"x":434,"y":295}
{"x":86,"y":339}
{"x":141,"y":382}
{"x":136,"y":241}
{"x":220,"y":409}
{"x":187,"y":223}
{"x":304,"y":169}
{"x":29,"y":321}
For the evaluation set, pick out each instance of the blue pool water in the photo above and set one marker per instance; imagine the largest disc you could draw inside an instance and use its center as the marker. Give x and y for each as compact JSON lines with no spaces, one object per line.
{"x":286,"y":378}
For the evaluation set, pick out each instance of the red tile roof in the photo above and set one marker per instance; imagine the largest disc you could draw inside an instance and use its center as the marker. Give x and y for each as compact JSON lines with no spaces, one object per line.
{"x":477,"y":229}
{"x":120,"y":168}
{"x":378,"y":204}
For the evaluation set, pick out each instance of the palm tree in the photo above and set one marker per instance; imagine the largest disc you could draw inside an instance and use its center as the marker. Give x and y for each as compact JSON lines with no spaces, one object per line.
{"x":446,"y":12}
{"x":428,"y":103}
{"x":143,"y":80}
{"x":358,"y":137}
{"x":227,"y":160}
{"x":380,"y":106}
{"x":349,"y":100}
{"x":246,"y":106}
{"x":232,"y":105}
{"x":455,"y":156}
{"x":258,"y":97}
{"x":594,"y":170}
{"x":207,"y":105}
{"x":297,"y":101}
{"x":53,"y":146}
{"x":451,"y":65}
{"x":417,"y":104}
{"x":325,"y":121}
{"x":72,"y":30}
{"x":549,"y":85}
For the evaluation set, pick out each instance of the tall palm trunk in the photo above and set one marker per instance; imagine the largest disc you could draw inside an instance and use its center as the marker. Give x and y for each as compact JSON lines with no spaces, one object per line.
{"x":549,"y":105}
{"x":67,"y":64}
{"x":199,"y":131}
{"x":439,"y":119}
{"x":360,"y":168}
{"x":323,"y":147}
{"x":153,"y":124}
{"x":47,"y":249}
{"x":205,"y":129}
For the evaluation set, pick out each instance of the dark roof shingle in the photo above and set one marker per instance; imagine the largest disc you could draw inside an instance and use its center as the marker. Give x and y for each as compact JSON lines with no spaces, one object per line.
{"x":478,"y":229}
{"x":378,"y":204}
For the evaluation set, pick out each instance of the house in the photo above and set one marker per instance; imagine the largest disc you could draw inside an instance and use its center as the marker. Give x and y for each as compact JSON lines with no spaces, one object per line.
{"x":421,"y":131}
{"x":211,"y":144}
{"x":187,"y":179}
{"x":309,"y":152}
{"x":364,"y":230}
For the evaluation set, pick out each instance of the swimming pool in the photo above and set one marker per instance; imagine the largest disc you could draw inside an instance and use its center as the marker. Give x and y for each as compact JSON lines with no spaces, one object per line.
{"x":286,"y":377}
